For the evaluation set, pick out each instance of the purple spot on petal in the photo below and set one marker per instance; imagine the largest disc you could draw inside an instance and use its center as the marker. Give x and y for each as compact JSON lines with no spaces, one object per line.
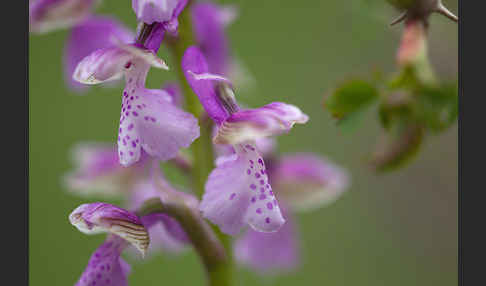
{"x":252,"y":186}
{"x":260,"y":161}
{"x":134,"y":113}
{"x":262,"y":197}
{"x":253,"y":199}
{"x":262,"y":182}
{"x":259,"y":211}
{"x":269,"y":206}
{"x":233,"y":195}
{"x":130,"y":127}
{"x":267,"y":220}
{"x":248,"y":171}
{"x":257,"y":175}
{"x":131,"y":153}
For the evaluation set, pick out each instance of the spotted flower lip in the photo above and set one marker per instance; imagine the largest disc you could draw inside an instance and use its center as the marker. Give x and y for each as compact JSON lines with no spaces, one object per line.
{"x":49,"y":15}
{"x":305,"y":181}
{"x":91,"y":34}
{"x":162,"y":11}
{"x":106,"y":267}
{"x":94,"y":218}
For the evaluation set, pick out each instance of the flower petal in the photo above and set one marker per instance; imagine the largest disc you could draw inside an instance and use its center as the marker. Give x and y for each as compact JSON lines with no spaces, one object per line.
{"x":194,"y":63}
{"x":150,"y":11}
{"x":237,"y":193}
{"x":208,"y":24}
{"x":306,"y":182}
{"x":91,"y":34}
{"x":96,"y":218}
{"x":109,"y":63}
{"x":48,"y":15}
{"x":106,"y":267}
{"x":149,"y":121}
{"x":174,"y":90}
{"x":267,"y":252}
{"x":98,"y":171}
{"x":251,"y":124}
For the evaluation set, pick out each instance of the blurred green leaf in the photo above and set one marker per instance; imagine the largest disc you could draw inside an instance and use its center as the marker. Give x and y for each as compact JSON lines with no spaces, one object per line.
{"x":349,"y":101}
{"x":437,"y":107}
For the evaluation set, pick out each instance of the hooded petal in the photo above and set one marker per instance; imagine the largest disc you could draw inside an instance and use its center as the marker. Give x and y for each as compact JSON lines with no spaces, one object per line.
{"x":267,"y":252}
{"x":194,"y":63}
{"x":91,"y":34}
{"x":251,"y":124}
{"x":106,"y":267}
{"x":149,"y":121}
{"x":237,"y":192}
{"x":96,"y":218}
{"x":109,"y":63}
{"x":305,"y":181}
{"x":98,"y":171}
{"x":48,"y":15}
{"x":150,"y":11}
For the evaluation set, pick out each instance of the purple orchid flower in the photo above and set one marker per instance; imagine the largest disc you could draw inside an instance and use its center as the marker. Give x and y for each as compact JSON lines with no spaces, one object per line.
{"x":97,"y":218}
{"x":149,"y":120}
{"x":49,"y":15}
{"x":159,"y":11}
{"x":301,"y":182}
{"x":105,"y":266}
{"x":238,"y":191}
{"x":93,"y":33}
{"x":98,"y":171}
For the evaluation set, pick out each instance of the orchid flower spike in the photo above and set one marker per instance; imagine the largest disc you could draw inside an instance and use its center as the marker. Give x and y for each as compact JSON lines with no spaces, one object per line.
{"x":237,"y":191}
{"x":48,"y":15}
{"x":149,"y":120}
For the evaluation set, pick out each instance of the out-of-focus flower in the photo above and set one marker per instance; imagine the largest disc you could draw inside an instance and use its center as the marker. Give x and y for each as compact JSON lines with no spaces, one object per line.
{"x":93,"y":33}
{"x":238,"y":191}
{"x":149,"y":120}
{"x":48,"y":15}
{"x":301,"y":182}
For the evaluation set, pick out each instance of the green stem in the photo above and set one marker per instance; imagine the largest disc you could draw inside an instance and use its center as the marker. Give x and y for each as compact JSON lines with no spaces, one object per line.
{"x":201,"y":148}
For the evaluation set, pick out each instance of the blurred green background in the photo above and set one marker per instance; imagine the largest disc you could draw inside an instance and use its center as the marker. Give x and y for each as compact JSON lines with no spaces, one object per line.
{"x":393,"y":229}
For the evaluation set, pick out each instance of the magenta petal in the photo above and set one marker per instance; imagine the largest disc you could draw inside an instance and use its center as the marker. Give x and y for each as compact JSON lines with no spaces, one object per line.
{"x":252,"y":124}
{"x":193,"y":62}
{"x":306,"y":181}
{"x":149,"y":121}
{"x":237,"y":193}
{"x":269,"y":252}
{"x":150,"y":11}
{"x":91,"y":34}
{"x":48,"y":15}
{"x":208,"y":25}
{"x":106,"y":267}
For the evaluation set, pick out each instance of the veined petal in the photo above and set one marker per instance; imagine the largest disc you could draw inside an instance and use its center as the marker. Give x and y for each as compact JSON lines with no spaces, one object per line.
{"x":194,"y":64}
{"x":96,"y":218}
{"x":149,"y":121}
{"x":251,"y":124}
{"x":106,"y":267}
{"x":237,"y":192}
{"x":98,"y":171}
{"x":48,"y":15}
{"x":109,"y":63}
{"x":150,"y":11}
{"x":265,"y":145}
{"x":91,"y":34}
{"x":269,"y":252}
{"x":305,"y":181}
